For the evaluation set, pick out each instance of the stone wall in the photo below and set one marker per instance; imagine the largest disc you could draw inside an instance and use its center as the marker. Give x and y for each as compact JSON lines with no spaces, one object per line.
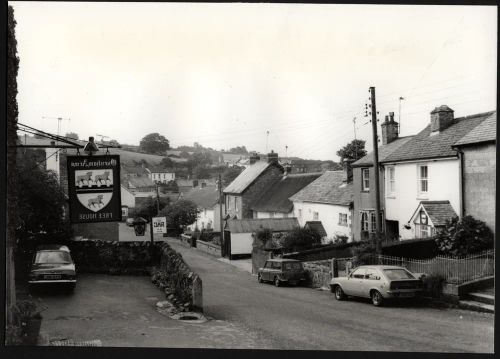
{"x":479,"y":182}
{"x":318,"y":273}
{"x":180,"y":284}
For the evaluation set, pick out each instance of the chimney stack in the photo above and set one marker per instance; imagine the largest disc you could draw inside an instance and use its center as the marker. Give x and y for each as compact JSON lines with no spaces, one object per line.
{"x":347,"y":169}
{"x":288,"y":168}
{"x":272,"y":157}
{"x":389,"y":129}
{"x":254,"y":157}
{"x":441,"y":118}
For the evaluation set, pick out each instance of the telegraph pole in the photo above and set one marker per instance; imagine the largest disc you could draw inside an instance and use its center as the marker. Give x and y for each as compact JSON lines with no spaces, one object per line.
{"x":376,"y":169}
{"x":399,"y":127}
{"x":220,"y":211}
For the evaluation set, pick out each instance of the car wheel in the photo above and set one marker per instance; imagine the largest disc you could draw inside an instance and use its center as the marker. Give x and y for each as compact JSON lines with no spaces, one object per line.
{"x":277,"y":282}
{"x":377,"y":298}
{"x":259,"y":278}
{"x":339,"y":293}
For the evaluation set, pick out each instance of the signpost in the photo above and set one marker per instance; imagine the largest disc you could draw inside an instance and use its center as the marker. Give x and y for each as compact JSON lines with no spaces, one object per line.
{"x":94,"y":188}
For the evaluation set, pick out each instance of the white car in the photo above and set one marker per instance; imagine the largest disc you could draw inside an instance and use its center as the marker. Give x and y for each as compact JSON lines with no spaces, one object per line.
{"x":377,"y":282}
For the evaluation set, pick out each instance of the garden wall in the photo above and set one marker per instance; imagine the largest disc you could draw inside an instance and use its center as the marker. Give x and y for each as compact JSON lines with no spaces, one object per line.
{"x":318,"y":273}
{"x":177,"y":280}
{"x":326,"y":252}
{"x":209,"y":248}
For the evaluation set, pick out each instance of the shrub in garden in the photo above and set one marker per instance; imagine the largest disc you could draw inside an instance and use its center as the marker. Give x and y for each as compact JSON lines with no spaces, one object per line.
{"x":261,"y":237}
{"x":301,"y":239}
{"x":365,"y":253}
{"x":464,"y":236}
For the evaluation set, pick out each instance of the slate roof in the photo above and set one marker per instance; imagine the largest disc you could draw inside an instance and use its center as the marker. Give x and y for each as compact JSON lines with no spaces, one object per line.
{"x":316,"y":226}
{"x":484,"y":132}
{"x":253,"y":225}
{"x":439,"y":211}
{"x":140,"y":182}
{"x":383,"y":152}
{"x":248,"y":176}
{"x":276,"y":197}
{"x":206,"y":197}
{"x":425,"y":146}
{"x":159,"y":169}
{"x":329,"y":188}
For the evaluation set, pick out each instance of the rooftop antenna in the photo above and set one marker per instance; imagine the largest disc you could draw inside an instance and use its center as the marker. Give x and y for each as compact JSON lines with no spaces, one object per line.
{"x":399,"y":127}
{"x":59,"y":119}
{"x":286,"y":152}
{"x":267,"y":140}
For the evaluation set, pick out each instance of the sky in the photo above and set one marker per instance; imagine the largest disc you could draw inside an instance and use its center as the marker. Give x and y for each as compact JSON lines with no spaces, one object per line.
{"x":223,"y":75}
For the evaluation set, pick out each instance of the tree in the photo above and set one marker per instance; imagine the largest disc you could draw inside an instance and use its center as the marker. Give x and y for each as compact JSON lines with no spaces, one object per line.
{"x":464,"y":236}
{"x":167,"y":162}
{"x":180,"y":213}
{"x":12,"y":114}
{"x":147,"y":209}
{"x":154,"y":143}
{"x":240,"y":150}
{"x":184,"y":154}
{"x":300,"y":239}
{"x":230,"y":173}
{"x":353,"y":151}
{"x":72,"y":135}
{"x":200,"y":172}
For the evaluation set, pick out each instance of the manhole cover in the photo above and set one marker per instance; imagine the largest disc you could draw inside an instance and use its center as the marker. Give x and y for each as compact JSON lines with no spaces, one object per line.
{"x":76,"y":343}
{"x":190,"y":317}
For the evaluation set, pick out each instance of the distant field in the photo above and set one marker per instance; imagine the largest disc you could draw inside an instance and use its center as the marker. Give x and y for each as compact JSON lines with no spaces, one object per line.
{"x":128,"y":156}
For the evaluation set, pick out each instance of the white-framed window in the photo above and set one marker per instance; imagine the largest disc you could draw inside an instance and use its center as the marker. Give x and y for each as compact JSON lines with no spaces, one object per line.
{"x":390,"y":181}
{"x":423,"y":179}
{"x":368,"y":221}
{"x":365,"y":223}
{"x":365,"y":179}
{"x":315,"y":216}
{"x":424,"y":231}
{"x":343,"y":219}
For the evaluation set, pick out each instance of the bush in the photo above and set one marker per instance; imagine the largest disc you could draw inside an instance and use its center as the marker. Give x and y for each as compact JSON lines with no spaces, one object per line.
{"x":464,"y":236}
{"x":301,"y":239}
{"x":365,"y":253}
{"x":340,"y":239}
{"x":261,"y":237}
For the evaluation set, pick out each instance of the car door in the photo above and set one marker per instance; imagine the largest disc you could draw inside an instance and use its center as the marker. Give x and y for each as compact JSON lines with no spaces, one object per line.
{"x":352,"y":285}
{"x":265,"y":271}
{"x":371,"y":279}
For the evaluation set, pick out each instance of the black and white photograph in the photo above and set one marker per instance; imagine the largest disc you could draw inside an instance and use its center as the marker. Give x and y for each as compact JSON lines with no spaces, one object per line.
{"x":275,"y":176}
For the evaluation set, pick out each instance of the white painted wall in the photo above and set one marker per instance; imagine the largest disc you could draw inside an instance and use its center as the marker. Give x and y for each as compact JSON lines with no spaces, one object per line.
{"x":241,"y":243}
{"x":328,"y":214}
{"x":276,"y":214}
{"x":162,"y":177}
{"x":204,"y":217}
{"x":443,"y":185}
{"x":52,"y":160}
{"x":128,"y":199}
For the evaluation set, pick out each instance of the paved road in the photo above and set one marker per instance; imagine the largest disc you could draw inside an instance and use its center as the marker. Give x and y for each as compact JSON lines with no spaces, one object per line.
{"x":303,"y":318}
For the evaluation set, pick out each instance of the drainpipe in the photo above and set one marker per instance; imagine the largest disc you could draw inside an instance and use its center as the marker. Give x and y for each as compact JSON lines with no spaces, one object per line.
{"x":460,"y":180}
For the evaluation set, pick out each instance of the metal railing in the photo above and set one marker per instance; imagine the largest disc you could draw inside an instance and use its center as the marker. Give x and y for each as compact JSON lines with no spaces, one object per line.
{"x":454,"y":270}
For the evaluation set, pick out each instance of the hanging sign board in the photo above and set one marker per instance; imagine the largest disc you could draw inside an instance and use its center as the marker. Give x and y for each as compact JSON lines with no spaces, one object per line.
{"x":94,"y":188}
{"x":159,"y":225}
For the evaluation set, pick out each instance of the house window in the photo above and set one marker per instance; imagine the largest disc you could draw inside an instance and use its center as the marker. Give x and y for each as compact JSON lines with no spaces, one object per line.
{"x":424,"y":231}
{"x":423,"y":179}
{"x":343,"y":219}
{"x":368,"y":222}
{"x":390,"y":187}
{"x":364,"y":222}
{"x":365,"y":179}
{"x":271,"y":214}
{"x":300,"y":213}
{"x":315,"y":216}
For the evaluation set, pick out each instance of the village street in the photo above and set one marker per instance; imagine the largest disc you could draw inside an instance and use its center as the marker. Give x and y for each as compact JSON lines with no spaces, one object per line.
{"x":304,"y":318}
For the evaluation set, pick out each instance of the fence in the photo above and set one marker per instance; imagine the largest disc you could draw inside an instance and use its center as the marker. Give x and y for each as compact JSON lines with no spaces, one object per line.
{"x":455,"y":270}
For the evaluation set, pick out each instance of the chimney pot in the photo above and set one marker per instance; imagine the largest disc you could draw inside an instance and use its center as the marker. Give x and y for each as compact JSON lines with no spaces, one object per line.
{"x":272,"y":157}
{"x":389,"y":129}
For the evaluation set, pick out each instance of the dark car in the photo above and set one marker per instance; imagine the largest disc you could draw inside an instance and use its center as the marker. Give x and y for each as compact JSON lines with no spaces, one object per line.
{"x":52,"y":264}
{"x":281,"y":271}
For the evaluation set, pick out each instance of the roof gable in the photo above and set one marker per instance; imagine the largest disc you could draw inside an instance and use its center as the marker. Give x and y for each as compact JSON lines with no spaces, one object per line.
{"x":248,"y":176}
{"x":438,"y":211}
{"x":206,"y":197}
{"x":329,"y":188}
{"x":426,"y":146}
{"x":276,"y":197}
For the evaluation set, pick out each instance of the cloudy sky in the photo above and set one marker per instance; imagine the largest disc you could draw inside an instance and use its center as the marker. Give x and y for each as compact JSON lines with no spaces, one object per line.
{"x":224,"y":74}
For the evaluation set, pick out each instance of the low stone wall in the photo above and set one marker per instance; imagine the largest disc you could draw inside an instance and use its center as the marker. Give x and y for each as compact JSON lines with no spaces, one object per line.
{"x":209,"y":248}
{"x":181,"y":285}
{"x":187,"y":240}
{"x":318,"y":273}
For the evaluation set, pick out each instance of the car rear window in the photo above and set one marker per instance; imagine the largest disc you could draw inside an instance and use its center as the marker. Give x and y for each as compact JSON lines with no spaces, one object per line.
{"x":59,"y":257}
{"x":398,"y":274}
{"x":292,"y":265}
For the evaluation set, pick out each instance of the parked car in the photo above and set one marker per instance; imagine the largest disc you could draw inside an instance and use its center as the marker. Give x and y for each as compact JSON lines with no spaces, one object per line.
{"x":281,"y":271}
{"x":129,"y":221}
{"x":52,"y":264}
{"x":377,"y":282}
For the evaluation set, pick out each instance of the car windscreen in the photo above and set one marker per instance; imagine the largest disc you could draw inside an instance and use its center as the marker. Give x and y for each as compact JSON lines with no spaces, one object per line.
{"x":292,"y":265}
{"x":52,"y":257}
{"x":395,"y":274}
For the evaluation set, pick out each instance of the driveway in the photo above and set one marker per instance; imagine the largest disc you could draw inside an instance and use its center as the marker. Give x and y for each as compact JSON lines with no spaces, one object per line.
{"x":120,"y":312}
{"x":303,"y":318}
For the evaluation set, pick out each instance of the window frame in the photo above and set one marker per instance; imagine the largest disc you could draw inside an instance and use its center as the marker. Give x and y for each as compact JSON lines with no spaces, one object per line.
{"x":315,"y":216}
{"x":421,"y":180}
{"x":365,"y":178}
{"x":390,"y":183}
{"x":343,"y":219}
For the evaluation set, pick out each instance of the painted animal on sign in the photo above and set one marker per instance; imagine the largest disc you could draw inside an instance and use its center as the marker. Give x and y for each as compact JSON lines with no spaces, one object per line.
{"x":103,"y":179}
{"x":84,"y":179}
{"x":96,"y":202}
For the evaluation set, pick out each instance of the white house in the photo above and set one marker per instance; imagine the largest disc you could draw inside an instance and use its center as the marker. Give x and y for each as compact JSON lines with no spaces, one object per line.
{"x":160,"y":175}
{"x":207,"y":200}
{"x":422,"y":179}
{"x":328,"y":200}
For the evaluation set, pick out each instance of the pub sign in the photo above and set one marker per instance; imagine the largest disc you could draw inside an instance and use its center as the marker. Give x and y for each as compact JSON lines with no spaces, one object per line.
{"x":94,"y":188}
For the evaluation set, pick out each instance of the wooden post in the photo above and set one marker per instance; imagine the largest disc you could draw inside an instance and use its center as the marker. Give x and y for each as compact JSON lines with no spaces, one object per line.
{"x":376,"y":170}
